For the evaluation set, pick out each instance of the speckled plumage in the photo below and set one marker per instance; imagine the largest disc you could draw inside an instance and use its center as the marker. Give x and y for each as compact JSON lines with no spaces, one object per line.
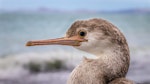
{"x":111,"y":49}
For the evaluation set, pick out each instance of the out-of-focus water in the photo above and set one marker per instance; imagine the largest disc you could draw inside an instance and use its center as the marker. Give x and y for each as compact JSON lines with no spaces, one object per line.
{"x":17,"y":28}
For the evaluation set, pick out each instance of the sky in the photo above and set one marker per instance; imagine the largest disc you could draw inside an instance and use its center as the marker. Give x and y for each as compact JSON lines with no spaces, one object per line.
{"x":95,"y":5}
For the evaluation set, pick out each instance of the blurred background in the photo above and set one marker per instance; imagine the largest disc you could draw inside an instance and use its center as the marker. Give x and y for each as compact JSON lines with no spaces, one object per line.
{"x":24,"y":20}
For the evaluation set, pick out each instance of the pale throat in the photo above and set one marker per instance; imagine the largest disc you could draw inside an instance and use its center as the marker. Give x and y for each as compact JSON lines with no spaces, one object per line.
{"x":110,"y":55}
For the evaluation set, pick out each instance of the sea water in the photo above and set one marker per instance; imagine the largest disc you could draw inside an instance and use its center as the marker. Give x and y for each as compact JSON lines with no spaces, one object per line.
{"x":16,"y":28}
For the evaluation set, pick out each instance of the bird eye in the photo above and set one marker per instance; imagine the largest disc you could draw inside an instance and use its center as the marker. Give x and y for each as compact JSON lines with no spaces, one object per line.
{"x":82,"y":33}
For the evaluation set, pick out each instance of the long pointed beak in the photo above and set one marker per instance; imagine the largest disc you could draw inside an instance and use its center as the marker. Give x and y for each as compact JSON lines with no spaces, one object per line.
{"x":71,"y":41}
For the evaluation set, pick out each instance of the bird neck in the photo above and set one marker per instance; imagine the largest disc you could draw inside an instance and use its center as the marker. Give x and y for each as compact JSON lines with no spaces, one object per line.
{"x":109,"y":55}
{"x":113,"y":54}
{"x":116,"y":59}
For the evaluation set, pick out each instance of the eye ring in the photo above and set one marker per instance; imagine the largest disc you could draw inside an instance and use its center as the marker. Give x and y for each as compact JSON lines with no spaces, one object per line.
{"x":82,"y":33}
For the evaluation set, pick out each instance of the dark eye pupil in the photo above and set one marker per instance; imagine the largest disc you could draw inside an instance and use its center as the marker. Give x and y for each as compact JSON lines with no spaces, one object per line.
{"x":82,"y":33}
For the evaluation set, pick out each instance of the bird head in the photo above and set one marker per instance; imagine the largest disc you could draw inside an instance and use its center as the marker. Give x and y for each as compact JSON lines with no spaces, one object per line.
{"x":93,"y":36}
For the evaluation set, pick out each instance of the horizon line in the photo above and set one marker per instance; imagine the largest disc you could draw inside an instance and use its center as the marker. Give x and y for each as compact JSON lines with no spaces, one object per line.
{"x":63,"y":10}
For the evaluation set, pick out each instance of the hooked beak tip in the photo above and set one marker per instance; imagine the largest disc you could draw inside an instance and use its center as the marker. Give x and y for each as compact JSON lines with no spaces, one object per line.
{"x":29,"y":43}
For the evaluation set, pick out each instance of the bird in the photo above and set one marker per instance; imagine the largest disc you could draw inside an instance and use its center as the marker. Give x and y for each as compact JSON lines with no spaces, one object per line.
{"x":102,"y":39}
